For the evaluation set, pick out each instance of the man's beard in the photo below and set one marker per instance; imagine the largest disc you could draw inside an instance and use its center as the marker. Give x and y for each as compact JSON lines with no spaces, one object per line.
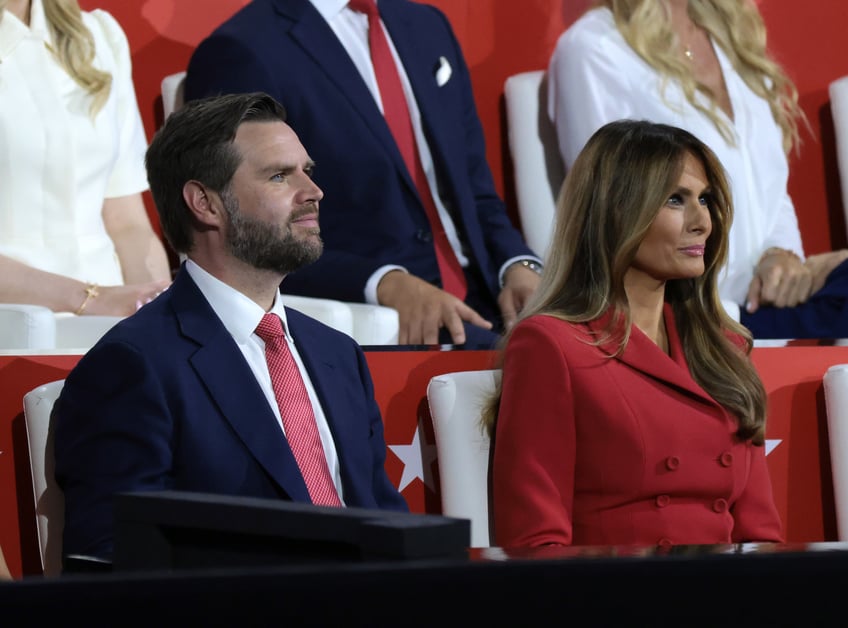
{"x":268,"y":246}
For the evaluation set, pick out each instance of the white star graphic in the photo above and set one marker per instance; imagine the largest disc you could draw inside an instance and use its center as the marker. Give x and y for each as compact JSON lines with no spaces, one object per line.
{"x":417,"y":458}
{"x":771,"y":443}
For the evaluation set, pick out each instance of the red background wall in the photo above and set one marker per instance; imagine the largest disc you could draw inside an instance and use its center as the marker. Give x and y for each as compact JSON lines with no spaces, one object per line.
{"x":502,"y":37}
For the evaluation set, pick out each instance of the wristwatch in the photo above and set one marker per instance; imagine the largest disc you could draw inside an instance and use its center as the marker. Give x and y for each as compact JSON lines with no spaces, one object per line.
{"x":533,"y":265}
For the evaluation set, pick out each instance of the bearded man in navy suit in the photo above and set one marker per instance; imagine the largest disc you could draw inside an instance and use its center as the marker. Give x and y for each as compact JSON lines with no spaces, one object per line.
{"x":179,"y":395}
{"x":313,"y":56}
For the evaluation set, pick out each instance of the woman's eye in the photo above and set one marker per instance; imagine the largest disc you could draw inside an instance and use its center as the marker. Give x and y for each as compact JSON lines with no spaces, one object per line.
{"x":675,"y":199}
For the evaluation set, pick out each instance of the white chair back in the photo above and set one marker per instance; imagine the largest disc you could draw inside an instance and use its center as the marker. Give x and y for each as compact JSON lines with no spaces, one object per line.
{"x":37,"y":328}
{"x":81,"y":332}
{"x":173,"y":92}
{"x":838,"y":91}
{"x":49,"y":500}
{"x":333,"y":313}
{"x":25,"y":327}
{"x":462,"y":446}
{"x":536,"y":162}
{"x":374,"y":324}
{"x":835,"y":384}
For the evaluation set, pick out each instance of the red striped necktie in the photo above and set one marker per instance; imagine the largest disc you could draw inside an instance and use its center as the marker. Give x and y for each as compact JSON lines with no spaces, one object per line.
{"x":396,"y":112}
{"x":297,"y":413}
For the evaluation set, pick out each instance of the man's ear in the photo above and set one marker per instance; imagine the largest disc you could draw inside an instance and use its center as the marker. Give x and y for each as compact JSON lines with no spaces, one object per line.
{"x":204,"y":204}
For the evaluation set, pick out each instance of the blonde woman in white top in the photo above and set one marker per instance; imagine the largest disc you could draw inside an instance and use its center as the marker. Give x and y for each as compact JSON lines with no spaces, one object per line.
{"x":702,"y":65}
{"x":74,"y":232}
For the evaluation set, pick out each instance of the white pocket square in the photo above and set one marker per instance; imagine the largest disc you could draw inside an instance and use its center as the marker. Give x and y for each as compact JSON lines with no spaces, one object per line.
{"x":443,"y":72}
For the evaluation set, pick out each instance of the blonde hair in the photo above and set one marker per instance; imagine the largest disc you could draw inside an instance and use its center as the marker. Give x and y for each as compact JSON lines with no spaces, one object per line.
{"x":73,"y":47}
{"x":738,"y":28}
{"x":611,"y":195}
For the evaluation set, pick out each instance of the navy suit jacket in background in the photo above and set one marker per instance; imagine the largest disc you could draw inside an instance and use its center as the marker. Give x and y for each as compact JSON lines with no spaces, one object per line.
{"x":166,"y":400}
{"x":371,"y":214}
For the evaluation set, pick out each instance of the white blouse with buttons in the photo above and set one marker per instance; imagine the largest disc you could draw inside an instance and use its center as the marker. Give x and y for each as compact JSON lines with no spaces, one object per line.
{"x":57,"y":165}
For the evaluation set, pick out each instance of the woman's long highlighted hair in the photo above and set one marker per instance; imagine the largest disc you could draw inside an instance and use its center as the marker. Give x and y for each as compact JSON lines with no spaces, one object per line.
{"x":618,"y":184}
{"x":73,"y":47}
{"x":738,"y":28}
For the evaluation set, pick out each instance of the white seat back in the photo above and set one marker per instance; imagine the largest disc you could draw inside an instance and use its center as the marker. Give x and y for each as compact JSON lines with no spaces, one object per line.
{"x":462,"y":446}
{"x":536,"y":162}
{"x":81,"y":332}
{"x":173,"y":92}
{"x":49,"y":500}
{"x":838,"y":91}
{"x":24,"y":327}
{"x":835,"y":383}
{"x":333,"y":313}
{"x":374,"y":324}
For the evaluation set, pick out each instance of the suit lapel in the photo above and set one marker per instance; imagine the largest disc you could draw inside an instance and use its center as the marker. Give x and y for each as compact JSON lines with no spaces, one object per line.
{"x":232,"y":386}
{"x":305,"y":26}
{"x":421,"y":71}
{"x":643,"y":355}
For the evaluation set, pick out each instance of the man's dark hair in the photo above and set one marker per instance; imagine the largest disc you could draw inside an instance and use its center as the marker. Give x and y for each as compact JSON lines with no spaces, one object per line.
{"x":196,"y":143}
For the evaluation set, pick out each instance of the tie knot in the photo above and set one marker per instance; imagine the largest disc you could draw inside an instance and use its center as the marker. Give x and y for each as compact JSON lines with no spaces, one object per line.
{"x":368,"y":7}
{"x":270,"y":328}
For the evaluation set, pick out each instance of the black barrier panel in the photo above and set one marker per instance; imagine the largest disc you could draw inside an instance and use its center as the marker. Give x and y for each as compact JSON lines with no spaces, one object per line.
{"x":177,"y":530}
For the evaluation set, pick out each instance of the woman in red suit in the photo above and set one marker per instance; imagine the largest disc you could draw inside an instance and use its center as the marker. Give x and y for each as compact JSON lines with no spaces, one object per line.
{"x":629,"y":411}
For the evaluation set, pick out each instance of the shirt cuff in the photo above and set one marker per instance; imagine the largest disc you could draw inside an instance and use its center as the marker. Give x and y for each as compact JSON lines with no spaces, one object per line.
{"x":374,"y":280}
{"x":513,"y":260}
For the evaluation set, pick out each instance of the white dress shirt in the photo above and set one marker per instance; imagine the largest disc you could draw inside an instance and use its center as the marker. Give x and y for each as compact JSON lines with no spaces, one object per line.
{"x":240,"y":316}
{"x":595,"y":78}
{"x":57,"y":165}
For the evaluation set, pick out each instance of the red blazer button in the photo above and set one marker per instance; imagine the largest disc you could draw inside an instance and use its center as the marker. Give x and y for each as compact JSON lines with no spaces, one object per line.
{"x":664,"y":543}
{"x":662,"y":501}
{"x":720,"y":505}
{"x":726,"y":459}
{"x":672,"y":462}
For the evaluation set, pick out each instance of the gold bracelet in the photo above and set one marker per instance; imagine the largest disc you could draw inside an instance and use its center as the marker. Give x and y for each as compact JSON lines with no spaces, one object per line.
{"x":91,"y":292}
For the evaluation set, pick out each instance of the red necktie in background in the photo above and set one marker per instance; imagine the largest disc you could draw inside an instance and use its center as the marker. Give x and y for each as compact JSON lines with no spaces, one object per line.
{"x":296,"y":412}
{"x":396,"y":112}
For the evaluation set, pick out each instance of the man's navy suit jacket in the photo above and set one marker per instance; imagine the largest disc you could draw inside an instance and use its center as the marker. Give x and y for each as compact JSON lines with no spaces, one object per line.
{"x":166,"y":400}
{"x":370,"y":214}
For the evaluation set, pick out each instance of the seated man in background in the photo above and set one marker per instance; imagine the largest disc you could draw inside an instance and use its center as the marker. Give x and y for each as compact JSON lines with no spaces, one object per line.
{"x":411,"y":218}
{"x":215,"y":386}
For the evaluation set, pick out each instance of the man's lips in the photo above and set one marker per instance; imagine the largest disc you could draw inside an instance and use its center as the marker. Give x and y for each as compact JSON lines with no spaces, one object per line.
{"x":308,"y":219}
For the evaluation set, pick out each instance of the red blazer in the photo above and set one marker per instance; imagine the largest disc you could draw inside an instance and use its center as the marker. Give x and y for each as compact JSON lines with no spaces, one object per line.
{"x":595,"y":450}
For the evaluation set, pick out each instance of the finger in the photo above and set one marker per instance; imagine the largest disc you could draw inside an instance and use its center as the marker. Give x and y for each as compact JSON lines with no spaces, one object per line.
{"x":508,"y":313}
{"x":784,"y":291}
{"x":752,"y":300}
{"x":416,"y":329}
{"x":770,"y":285}
{"x":404,"y":329}
{"x":794,"y":289}
{"x":456,"y":329}
{"x":804,"y":289}
{"x":429,"y":331}
{"x":469,"y":314}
